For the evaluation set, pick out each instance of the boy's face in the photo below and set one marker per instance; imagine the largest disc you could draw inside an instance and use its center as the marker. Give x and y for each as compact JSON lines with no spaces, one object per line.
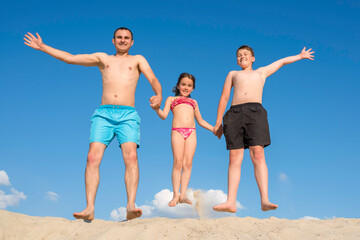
{"x":122,"y":40}
{"x":186,"y":86}
{"x":244,"y":58}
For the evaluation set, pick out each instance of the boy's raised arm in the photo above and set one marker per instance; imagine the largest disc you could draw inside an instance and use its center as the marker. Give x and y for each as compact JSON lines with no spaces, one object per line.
{"x":79,"y":59}
{"x":155,"y":101}
{"x":272,"y":68}
{"x":222,"y":104}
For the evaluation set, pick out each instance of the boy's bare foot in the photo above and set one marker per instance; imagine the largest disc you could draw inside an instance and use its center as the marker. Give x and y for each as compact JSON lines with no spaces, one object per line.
{"x":86,"y":214}
{"x":268,"y":206}
{"x":132,"y":213}
{"x":173,"y":202}
{"x":225,"y":207}
{"x":185,"y":200}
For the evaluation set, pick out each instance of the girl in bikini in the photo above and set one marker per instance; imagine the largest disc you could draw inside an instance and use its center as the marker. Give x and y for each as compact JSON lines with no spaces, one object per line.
{"x":183,"y":134}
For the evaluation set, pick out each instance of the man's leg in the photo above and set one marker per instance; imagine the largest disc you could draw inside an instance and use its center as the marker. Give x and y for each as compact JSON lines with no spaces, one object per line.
{"x":131,"y":178}
{"x":261,"y":175}
{"x":235,"y":159}
{"x":92,"y":178}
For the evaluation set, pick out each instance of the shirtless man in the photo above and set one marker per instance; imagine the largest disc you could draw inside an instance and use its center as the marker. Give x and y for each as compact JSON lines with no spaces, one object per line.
{"x":116,"y":115}
{"x":245,"y":124}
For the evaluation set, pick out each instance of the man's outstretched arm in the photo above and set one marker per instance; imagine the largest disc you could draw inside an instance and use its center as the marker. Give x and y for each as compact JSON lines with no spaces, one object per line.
{"x":272,"y":68}
{"x":79,"y":59}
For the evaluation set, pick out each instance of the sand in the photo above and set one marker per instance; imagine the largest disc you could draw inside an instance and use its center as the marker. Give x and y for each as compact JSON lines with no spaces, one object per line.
{"x":18,"y":226}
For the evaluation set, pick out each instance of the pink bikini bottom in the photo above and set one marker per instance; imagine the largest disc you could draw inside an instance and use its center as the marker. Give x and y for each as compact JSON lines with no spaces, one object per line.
{"x":185,"y":132}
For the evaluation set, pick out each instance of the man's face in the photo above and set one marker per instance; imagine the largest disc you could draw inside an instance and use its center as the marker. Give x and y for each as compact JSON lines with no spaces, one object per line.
{"x":244,"y":58}
{"x":123,"y":41}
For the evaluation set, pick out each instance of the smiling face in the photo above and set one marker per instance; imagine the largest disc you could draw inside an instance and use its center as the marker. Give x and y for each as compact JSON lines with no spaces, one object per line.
{"x":186,"y":86}
{"x":245,"y":58}
{"x":123,"y":40}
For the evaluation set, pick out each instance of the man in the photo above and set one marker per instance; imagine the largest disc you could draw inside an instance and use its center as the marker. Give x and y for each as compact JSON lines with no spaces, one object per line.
{"x":116,"y":115}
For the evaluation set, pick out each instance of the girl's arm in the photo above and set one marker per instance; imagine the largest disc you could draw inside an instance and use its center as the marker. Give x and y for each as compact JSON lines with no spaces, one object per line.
{"x":165,"y":112}
{"x":200,"y":120}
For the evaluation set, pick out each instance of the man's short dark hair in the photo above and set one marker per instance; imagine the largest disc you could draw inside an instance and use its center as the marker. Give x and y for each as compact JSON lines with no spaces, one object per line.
{"x":124,"y":28}
{"x":247,"y":48}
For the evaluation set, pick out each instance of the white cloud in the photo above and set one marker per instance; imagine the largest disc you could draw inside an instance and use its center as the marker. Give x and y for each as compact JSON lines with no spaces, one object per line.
{"x":12,"y":199}
{"x":118,"y":214}
{"x":52,"y":196}
{"x":201,"y":207}
{"x":310,"y":218}
{"x":4,"y":178}
{"x":283,"y":177}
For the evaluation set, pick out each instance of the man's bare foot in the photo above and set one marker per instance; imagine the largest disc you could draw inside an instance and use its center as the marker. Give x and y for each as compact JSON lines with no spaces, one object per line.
{"x":133,"y":213}
{"x":185,"y":200}
{"x":86,"y":214}
{"x":173,"y":202}
{"x":225,"y":207}
{"x":268,"y":206}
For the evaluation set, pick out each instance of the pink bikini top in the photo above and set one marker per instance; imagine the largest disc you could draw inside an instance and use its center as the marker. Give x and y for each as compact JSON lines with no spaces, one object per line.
{"x":182,"y":100}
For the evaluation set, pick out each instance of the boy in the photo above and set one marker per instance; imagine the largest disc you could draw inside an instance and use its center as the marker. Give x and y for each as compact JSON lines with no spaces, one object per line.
{"x":245,"y":123}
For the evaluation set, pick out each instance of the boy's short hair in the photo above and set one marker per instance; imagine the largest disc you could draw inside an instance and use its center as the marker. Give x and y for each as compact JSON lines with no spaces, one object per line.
{"x":123,"y":28}
{"x":247,"y":48}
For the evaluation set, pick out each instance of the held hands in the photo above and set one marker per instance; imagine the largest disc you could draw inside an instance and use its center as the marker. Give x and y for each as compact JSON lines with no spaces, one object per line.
{"x":307,"y":54}
{"x":33,"y":42}
{"x":155,"y":102}
{"x":218,"y":130}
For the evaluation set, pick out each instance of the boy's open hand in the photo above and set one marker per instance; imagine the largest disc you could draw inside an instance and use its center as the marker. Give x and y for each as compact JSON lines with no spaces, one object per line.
{"x":307,"y":54}
{"x":33,"y":42}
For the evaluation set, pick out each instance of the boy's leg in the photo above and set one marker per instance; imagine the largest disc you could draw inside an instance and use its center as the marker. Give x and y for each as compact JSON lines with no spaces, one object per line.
{"x":235,"y":159}
{"x":261,"y":175}
{"x":178,"y":146}
{"x":190,"y":147}
{"x":129,"y":151}
{"x":92,"y":178}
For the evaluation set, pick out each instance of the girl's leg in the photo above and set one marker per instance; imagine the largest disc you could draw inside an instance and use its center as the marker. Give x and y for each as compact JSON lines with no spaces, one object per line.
{"x":177,"y":144}
{"x":190,"y":146}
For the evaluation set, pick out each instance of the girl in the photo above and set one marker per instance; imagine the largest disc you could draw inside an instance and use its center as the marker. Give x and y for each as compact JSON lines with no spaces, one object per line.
{"x":183,"y":134}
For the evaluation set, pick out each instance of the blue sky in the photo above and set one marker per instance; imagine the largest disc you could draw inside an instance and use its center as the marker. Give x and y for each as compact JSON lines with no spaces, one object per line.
{"x":312,"y":105}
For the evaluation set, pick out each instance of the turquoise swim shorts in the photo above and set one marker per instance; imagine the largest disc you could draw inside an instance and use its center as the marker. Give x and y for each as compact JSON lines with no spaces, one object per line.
{"x":110,"y":120}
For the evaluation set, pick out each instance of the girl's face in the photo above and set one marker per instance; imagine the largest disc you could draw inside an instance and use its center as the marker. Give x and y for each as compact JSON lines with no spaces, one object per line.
{"x":186,"y":86}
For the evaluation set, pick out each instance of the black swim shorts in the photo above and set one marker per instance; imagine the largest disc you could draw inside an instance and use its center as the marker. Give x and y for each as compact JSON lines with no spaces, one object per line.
{"x":246,"y":125}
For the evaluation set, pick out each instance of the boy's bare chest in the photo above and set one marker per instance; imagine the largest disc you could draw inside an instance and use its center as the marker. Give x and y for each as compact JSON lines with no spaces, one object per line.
{"x":247,"y":79}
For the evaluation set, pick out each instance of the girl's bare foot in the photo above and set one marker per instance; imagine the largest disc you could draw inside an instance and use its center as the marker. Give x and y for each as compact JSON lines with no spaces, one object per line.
{"x":185,"y":200}
{"x":173,"y":202}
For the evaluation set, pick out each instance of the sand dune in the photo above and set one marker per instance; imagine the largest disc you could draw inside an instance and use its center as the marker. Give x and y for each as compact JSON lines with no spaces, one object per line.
{"x":18,"y":226}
